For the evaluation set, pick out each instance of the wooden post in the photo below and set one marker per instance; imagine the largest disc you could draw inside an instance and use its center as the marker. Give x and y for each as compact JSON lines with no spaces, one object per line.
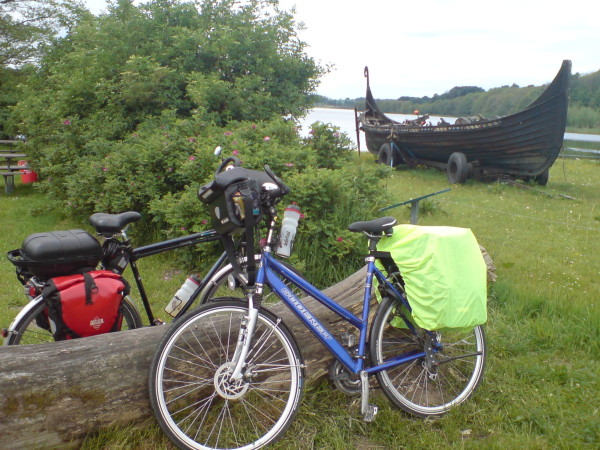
{"x":9,"y":183}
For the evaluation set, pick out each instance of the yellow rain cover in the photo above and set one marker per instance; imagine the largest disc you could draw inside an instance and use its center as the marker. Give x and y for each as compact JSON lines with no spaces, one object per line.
{"x":444,"y":274}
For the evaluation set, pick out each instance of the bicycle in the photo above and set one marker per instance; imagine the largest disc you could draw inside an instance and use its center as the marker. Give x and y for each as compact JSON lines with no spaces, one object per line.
{"x":230,"y":373}
{"x":30,"y":326}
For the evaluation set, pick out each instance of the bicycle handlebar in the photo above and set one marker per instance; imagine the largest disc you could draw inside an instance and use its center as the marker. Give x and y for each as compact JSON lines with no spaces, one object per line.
{"x":284,"y":189}
{"x":232,"y":159}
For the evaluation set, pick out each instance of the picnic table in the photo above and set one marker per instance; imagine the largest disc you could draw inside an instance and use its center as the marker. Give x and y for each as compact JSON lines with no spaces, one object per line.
{"x":9,"y":164}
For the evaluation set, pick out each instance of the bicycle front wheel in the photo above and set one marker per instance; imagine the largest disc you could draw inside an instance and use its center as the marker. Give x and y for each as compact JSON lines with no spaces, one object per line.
{"x":197,"y":403}
{"x":34,"y":326}
{"x":432,"y":385}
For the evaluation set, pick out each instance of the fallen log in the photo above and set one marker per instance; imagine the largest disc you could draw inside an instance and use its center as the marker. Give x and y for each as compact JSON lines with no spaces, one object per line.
{"x":53,"y":395}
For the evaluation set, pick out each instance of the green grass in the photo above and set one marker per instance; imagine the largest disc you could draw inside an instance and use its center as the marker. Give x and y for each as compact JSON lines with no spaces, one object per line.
{"x":583,"y":130}
{"x":541,"y":388}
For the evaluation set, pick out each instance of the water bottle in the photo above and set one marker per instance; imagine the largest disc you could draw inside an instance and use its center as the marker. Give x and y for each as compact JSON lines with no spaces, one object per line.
{"x":182,"y":295}
{"x":288,"y":230}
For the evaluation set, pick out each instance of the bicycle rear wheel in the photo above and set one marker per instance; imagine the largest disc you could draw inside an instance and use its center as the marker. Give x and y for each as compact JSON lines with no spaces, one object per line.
{"x":428,"y":386}
{"x":34,"y":327}
{"x":193,"y":398}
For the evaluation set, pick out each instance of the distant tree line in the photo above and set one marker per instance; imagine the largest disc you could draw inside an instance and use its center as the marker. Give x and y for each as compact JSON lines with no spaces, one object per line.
{"x":584,"y":106}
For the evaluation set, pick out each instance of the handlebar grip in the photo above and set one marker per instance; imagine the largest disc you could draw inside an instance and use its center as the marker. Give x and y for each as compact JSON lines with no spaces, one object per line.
{"x":282,"y":186}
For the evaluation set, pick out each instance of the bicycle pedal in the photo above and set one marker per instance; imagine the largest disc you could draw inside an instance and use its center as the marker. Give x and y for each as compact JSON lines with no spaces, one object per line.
{"x":370,"y":413}
{"x":159,"y":322}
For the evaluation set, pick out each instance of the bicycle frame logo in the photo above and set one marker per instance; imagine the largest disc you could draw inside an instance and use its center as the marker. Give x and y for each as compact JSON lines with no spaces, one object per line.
{"x":302,"y":310}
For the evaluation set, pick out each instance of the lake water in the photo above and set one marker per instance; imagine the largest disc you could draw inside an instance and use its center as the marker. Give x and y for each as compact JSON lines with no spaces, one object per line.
{"x":344,"y":119}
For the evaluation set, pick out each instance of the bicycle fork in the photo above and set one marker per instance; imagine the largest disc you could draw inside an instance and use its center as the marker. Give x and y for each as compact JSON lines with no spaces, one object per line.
{"x":244,"y":340}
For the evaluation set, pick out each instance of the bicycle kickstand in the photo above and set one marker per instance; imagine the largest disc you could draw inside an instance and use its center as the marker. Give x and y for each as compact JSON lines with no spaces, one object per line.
{"x":368,"y":411}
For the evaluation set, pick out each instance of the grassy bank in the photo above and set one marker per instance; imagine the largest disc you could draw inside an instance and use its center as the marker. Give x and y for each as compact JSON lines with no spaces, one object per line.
{"x":541,"y":388}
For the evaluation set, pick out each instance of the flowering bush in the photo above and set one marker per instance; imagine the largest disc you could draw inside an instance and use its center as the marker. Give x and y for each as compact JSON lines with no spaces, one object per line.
{"x":116,"y":122}
{"x":329,"y":198}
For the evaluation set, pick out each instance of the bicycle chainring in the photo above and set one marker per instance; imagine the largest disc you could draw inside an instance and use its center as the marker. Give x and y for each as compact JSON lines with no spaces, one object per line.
{"x":345,"y":381}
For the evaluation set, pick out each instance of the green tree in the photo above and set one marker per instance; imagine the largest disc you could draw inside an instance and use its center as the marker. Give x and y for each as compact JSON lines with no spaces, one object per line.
{"x":28,"y":26}
{"x":27,"y":29}
{"x":219,"y":61}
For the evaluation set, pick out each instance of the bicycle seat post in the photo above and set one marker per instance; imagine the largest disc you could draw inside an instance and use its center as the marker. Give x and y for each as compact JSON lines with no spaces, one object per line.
{"x":373,"y":241}
{"x":124,"y":235}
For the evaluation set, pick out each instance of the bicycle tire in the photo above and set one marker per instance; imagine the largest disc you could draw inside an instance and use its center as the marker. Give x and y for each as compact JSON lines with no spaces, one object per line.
{"x":417,"y":387}
{"x":224,"y":286}
{"x":132,"y":318}
{"x":191,"y":396}
{"x":34,"y":327}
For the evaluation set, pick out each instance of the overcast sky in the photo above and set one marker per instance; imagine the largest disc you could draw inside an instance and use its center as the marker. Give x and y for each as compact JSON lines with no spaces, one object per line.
{"x":420,"y":48}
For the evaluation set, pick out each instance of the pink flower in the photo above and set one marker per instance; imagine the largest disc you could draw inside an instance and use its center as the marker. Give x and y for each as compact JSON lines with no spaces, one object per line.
{"x":289,"y":164}
{"x":234,"y":142}
{"x":235,"y":152}
{"x":105,"y":169}
{"x":340,"y":239}
{"x":253,"y":126}
{"x":266,"y":139}
{"x":191,"y":140}
{"x":192,"y":158}
{"x":228,"y":133}
{"x":204,"y":222}
{"x":182,"y":228}
{"x":66,"y":122}
{"x":336,"y":134}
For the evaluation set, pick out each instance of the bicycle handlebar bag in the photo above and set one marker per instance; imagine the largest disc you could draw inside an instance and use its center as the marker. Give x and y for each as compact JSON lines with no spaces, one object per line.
{"x":232,"y":198}
{"x":56,"y":253}
{"x":444,"y":273}
{"x":85,"y":304}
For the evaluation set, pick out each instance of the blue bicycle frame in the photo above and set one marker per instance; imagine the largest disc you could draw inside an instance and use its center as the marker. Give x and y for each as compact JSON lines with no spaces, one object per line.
{"x":269,"y":270}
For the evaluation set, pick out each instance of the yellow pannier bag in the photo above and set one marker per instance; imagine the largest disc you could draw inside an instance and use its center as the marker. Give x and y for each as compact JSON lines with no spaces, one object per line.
{"x":444,"y":275}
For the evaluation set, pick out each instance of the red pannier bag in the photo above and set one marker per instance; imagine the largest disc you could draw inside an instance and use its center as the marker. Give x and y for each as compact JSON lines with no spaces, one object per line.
{"x":85,"y":304}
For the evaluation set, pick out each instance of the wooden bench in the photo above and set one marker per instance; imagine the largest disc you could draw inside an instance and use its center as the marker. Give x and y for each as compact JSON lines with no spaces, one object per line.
{"x":10,"y":165}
